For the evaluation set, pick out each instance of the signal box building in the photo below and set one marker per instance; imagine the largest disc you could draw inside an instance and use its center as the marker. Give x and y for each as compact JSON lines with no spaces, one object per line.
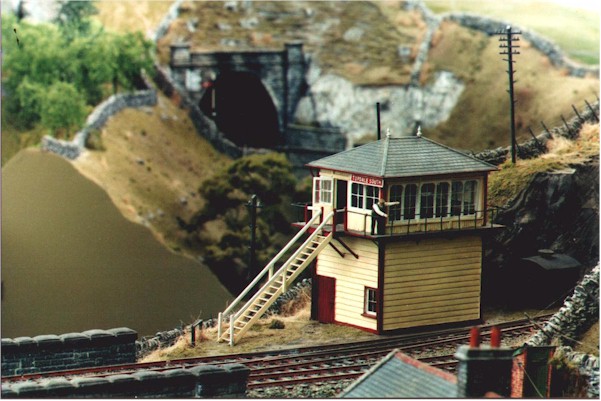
{"x":425,"y":268}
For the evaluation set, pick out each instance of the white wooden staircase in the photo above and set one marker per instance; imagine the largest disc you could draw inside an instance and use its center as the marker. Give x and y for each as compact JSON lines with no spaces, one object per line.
{"x":277,"y":283}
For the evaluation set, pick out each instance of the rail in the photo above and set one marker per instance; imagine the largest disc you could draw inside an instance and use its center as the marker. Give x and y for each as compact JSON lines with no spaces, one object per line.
{"x":268,"y":269}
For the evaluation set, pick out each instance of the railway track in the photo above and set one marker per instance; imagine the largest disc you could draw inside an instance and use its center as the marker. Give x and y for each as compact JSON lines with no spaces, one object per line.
{"x":320,"y":364}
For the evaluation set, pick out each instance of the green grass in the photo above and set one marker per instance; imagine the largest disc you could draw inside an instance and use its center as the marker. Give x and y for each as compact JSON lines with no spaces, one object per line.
{"x":575,"y":31}
{"x":510,"y":180}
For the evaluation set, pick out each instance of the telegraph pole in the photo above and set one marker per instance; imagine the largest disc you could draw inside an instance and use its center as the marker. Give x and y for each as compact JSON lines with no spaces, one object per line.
{"x":253,"y":204}
{"x":508,"y":47}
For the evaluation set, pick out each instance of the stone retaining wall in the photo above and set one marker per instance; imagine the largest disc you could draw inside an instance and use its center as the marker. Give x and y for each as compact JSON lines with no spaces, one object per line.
{"x":576,"y":316}
{"x":96,"y":120}
{"x":203,"y":125}
{"x":203,"y":381}
{"x":50,"y":352}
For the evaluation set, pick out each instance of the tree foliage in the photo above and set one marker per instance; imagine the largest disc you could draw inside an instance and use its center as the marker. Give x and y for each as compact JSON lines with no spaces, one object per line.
{"x":46,"y":56}
{"x":73,"y":17}
{"x":227,"y":194}
{"x":63,"y":107}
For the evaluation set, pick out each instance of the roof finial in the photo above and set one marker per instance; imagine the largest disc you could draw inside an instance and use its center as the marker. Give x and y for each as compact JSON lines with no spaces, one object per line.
{"x":419,"y":131}
{"x":387,"y":132}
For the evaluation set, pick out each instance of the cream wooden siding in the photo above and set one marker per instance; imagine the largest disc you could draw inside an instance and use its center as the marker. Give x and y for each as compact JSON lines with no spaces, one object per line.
{"x":433,"y":281}
{"x":352,"y":276}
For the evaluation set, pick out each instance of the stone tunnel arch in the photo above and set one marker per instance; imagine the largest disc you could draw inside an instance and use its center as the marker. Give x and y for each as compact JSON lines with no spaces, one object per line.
{"x":243,"y":110}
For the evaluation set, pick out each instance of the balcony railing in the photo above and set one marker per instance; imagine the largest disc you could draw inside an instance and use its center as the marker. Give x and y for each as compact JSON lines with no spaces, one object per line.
{"x":360,"y":222}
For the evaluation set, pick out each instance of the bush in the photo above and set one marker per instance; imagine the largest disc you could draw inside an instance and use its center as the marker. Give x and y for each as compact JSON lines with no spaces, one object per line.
{"x":50,"y":77}
{"x":277,"y":324}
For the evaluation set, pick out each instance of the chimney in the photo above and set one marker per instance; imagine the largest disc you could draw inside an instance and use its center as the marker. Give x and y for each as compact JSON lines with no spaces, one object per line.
{"x":484,"y":368}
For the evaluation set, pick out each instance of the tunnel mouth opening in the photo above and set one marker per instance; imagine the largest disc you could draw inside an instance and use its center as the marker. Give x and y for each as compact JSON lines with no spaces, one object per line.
{"x":242,"y":110}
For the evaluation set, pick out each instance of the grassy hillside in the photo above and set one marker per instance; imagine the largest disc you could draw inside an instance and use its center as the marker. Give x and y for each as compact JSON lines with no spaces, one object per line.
{"x":152,"y":165}
{"x":575,"y":30}
{"x":481,"y":118}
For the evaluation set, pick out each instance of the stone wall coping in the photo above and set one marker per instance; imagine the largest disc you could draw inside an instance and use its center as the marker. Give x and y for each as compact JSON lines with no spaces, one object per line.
{"x":147,"y":375}
{"x":8,"y":392}
{"x":57,"y":383}
{"x":178,"y":373}
{"x":46,"y":340}
{"x":84,"y":382}
{"x":24,"y":340}
{"x":122,"y":378}
{"x":94,"y":337}
{"x":26,"y":388}
{"x":9,"y":345}
{"x":202,"y":374}
{"x":74,"y":339}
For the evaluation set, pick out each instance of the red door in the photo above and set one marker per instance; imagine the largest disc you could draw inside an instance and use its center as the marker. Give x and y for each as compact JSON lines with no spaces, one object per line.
{"x":326,"y":298}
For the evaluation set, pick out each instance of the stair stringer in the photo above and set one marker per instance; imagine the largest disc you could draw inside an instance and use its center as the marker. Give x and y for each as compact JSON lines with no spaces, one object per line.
{"x":241,"y":325}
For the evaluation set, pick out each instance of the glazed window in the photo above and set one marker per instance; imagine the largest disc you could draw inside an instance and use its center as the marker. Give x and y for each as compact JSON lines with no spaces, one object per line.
{"x":371,"y":301}
{"x":372,"y":194}
{"x":409,"y":202}
{"x":395,"y":195}
{"x":322,"y":190}
{"x":442,"y":199}
{"x":426,"y":204}
{"x":364,"y":196}
{"x":469,"y":197}
{"x":456,"y":197}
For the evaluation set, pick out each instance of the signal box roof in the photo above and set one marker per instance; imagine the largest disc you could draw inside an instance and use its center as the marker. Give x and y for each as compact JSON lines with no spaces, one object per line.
{"x":410,"y":156}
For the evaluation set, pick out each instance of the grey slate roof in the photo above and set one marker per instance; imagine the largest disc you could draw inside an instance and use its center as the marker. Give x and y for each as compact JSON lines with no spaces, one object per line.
{"x":400,"y":376}
{"x":411,"y":156}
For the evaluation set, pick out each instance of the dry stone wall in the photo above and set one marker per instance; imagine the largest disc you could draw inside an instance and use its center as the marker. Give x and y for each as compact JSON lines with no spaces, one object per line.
{"x":95,"y":121}
{"x":51,"y":352}
{"x":492,"y":26}
{"x":203,"y":381}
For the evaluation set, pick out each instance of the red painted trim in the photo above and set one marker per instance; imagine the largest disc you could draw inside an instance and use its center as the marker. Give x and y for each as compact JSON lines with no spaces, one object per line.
{"x":367,"y":315}
{"x":314,"y":291}
{"x":426,"y":368}
{"x":380,"y":305}
{"x":457,"y":175}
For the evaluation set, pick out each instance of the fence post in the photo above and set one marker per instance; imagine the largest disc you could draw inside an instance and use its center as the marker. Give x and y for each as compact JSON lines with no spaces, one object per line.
{"x":592,"y":110}
{"x":231,"y":330}
{"x":578,"y":114}
{"x":219,"y":325}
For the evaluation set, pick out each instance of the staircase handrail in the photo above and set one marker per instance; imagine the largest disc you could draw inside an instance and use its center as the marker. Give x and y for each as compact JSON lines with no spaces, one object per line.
{"x":283,"y":268}
{"x":270,"y":265}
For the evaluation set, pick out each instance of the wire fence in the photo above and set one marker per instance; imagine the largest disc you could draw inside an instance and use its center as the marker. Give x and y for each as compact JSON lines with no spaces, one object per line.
{"x":562,"y":126}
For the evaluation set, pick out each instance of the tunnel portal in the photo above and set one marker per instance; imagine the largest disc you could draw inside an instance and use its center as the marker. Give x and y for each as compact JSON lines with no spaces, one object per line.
{"x":243,"y":110}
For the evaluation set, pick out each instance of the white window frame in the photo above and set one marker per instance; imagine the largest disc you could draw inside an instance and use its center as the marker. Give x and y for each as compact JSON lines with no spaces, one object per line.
{"x":367,"y":302}
{"x":323,"y":190}
{"x":464,"y":206}
{"x":365,"y":201}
